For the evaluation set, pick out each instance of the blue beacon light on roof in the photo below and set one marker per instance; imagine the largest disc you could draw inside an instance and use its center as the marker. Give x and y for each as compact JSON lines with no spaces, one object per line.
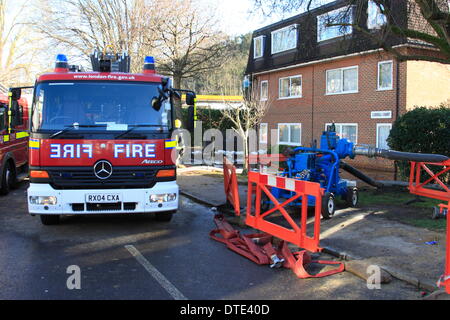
{"x":61,"y":64}
{"x":149,"y":65}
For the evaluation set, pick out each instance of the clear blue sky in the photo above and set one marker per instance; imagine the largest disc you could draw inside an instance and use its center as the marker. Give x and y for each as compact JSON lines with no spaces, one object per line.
{"x":236,"y":18}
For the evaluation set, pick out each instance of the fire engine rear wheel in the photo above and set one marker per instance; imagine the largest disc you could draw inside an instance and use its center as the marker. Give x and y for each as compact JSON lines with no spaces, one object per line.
{"x":328,"y":205}
{"x":164,"y":216}
{"x":49,"y":220}
{"x":9,"y":179}
{"x":352,"y":197}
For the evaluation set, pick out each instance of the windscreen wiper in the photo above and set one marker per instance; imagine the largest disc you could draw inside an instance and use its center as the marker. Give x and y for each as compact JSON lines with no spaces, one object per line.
{"x":133,"y":127}
{"x":74,"y":126}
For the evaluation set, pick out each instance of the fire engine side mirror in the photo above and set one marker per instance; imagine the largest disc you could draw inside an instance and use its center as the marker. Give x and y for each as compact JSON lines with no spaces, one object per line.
{"x":156,"y":103}
{"x":16,"y":93}
{"x":190,"y":98}
{"x":191,"y":118}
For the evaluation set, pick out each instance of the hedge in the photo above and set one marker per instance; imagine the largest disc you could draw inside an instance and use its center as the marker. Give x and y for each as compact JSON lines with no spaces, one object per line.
{"x":421,"y":130}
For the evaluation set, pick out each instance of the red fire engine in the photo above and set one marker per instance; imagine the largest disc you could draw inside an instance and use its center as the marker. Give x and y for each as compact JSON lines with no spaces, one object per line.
{"x":101,"y":141}
{"x":13,"y":141}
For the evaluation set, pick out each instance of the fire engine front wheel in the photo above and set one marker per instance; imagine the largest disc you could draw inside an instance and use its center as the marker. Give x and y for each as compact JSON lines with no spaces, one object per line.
{"x":9,"y":179}
{"x":49,"y":220}
{"x":328,"y":205}
{"x":164,"y":216}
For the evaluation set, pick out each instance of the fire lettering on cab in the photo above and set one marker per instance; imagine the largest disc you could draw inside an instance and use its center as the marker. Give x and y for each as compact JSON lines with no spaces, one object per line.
{"x":70,"y":151}
{"x":77,"y":151}
{"x":135,"y":150}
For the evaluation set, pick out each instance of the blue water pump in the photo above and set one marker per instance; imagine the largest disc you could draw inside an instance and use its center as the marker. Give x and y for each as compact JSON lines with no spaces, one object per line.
{"x":320,"y":165}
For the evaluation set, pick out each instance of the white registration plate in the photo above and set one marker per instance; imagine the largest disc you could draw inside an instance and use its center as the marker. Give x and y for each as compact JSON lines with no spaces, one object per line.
{"x":103,"y":198}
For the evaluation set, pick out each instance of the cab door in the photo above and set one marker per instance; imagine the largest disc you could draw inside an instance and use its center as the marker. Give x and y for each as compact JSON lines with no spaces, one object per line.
{"x":3,"y":132}
{"x":19,"y":133}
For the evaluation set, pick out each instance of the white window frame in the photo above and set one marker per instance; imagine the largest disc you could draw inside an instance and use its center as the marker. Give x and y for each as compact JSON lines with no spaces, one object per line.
{"x":261,"y":90}
{"x":380,"y":114}
{"x":382,"y":125}
{"x":319,"y":19}
{"x":344,"y":124}
{"x":290,"y":84}
{"x":264,"y":124}
{"x":342,"y":81}
{"x":255,"y":56}
{"x":289,"y":124}
{"x":392,"y":75}
{"x":293,"y":26}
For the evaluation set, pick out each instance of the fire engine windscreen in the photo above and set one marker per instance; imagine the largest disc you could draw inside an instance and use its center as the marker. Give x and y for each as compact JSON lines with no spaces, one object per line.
{"x":95,"y":106}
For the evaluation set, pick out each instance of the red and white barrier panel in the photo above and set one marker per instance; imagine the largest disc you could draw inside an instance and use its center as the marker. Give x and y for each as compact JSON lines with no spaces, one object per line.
{"x":296,"y":232}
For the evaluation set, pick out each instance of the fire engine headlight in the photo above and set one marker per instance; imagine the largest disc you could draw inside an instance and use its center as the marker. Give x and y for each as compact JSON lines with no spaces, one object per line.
{"x":166,"y":197}
{"x":43,"y":200}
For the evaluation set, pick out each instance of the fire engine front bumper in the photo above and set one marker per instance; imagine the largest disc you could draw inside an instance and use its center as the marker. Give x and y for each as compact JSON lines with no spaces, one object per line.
{"x":43,"y":199}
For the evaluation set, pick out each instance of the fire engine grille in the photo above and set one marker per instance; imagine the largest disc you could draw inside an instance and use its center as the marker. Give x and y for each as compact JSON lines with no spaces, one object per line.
{"x":79,"y":207}
{"x":84,"y":178}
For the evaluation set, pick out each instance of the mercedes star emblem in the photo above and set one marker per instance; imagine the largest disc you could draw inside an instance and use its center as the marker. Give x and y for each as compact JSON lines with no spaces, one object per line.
{"x":103,"y":169}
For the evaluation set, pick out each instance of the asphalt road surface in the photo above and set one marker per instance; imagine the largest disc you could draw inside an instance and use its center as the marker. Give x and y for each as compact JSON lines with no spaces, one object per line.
{"x":136,"y":257}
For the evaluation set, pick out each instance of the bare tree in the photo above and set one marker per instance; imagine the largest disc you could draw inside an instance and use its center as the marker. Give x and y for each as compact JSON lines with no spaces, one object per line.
{"x":18,"y":46}
{"x":428,"y":22}
{"x":246,"y":118}
{"x":228,"y":78}
{"x":189,"y":44}
{"x":80,"y":26}
{"x":183,"y":39}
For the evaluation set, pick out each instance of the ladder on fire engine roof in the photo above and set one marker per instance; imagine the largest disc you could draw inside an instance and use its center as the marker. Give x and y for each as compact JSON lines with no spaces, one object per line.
{"x":110,"y":62}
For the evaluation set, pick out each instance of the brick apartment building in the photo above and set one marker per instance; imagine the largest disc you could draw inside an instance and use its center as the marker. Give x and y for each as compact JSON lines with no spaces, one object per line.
{"x":314,"y":75}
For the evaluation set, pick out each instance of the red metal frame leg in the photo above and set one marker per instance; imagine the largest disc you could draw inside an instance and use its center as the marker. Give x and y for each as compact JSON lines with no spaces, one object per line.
{"x":231,"y":185}
{"x":447,"y":261}
{"x":416,"y":186}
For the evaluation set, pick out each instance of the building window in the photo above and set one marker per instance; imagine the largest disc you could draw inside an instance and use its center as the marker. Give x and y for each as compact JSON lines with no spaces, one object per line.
{"x":284,"y":39}
{"x":385,"y":75}
{"x":258,"y":47}
{"x":347,"y":131}
{"x":325,"y":28}
{"x":343,"y":80}
{"x":263,"y":131}
{"x":381,"y":115}
{"x":264,"y":90}
{"x":383,"y":130}
{"x":375,"y":19}
{"x":290,"y":87}
{"x":290,"y":134}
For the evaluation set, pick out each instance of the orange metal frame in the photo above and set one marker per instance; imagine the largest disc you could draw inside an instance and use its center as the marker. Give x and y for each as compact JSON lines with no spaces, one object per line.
{"x":416,"y":186}
{"x":296,"y":234}
{"x":231,"y":185}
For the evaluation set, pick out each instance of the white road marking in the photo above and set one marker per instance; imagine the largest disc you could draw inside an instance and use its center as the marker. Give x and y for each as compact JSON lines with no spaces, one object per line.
{"x":158,"y":276}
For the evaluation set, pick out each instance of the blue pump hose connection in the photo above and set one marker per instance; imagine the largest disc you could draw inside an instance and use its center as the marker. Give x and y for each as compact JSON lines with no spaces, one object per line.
{"x":373,"y":152}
